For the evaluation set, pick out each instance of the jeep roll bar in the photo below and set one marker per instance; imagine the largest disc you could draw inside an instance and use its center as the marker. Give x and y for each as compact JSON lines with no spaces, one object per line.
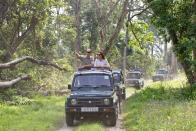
{"x":88,"y":67}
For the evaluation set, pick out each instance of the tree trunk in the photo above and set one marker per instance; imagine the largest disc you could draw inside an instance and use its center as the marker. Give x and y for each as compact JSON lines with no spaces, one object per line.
{"x":165,"y":50}
{"x":186,"y":64}
{"x":77,"y":45}
{"x":194,"y":58}
{"x":100,"y":22}
{"x":17,"y":40}
{"x":114,"y":36}
{"x":194,"y":48}
{"x":173,"y":64}
{"x":78,"y":24}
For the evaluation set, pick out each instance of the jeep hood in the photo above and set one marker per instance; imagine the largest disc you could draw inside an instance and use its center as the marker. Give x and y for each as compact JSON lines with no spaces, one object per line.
{"x":92,"y":93}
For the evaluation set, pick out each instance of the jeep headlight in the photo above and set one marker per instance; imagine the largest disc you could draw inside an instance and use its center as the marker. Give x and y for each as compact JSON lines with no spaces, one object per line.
{"x":106,"y":101}
{"x":73,"y":101}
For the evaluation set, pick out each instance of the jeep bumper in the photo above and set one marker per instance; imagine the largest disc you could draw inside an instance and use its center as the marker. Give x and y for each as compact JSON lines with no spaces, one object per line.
{"x":90,"y":109}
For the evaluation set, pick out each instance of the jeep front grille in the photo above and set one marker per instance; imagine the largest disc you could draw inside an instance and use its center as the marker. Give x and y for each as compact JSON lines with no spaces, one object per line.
{"x":90,"y":102}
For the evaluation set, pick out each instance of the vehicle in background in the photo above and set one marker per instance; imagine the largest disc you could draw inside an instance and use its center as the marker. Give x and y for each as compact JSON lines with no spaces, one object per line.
{"x":162,"y":75}
{"x":135,"y":79}
{"x":93,"y":94}
{"x":119,"y":80}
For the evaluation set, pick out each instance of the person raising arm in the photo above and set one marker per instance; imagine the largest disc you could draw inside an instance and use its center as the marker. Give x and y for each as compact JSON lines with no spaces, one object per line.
{"x":87,"y":60}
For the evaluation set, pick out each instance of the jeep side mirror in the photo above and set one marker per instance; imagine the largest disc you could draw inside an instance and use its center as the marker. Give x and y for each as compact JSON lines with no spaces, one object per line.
{"x":69,"y":87}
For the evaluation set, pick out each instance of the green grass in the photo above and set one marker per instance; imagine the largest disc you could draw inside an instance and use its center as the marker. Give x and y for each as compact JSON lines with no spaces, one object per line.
{"x":161,"y":106}
{"x":43,"y":114}
{"x":90,"y":127}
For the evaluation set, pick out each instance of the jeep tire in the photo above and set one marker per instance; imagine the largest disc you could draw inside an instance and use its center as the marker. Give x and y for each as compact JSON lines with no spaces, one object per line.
{"x":113,"y":116}
{"x":111,"y":120}
{"x":69,"y":118}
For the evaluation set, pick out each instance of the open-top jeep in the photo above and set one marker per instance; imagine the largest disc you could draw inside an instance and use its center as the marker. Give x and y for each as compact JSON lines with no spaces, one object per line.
{"x":93,"y":94}
{"x":135,"y":79}
{"x":119,"y":80}
{"x":162,"y":75}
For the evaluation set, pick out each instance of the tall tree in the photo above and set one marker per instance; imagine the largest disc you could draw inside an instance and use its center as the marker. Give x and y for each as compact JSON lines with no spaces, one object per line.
{"x":120,"y":23}
{"x":17,"y":22}
{"x":177,"y":17}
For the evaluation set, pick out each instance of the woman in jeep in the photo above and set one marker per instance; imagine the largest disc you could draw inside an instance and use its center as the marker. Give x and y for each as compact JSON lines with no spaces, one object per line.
{"x":100,"y":61}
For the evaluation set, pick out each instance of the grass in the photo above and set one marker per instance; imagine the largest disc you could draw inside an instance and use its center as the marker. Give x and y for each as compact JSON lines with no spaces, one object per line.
{"x":43,"y":114}
{"x":161,"y":106}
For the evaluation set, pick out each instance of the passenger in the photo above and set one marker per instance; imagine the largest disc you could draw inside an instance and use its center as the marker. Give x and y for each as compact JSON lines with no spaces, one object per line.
{"x":87,"y":60}
{"x":101,"y":61}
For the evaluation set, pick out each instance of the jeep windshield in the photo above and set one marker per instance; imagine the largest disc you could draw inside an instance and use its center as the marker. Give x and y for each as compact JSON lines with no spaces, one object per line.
{"x":133,"y":76}
{"x":161,"y":72}
{"x":92,"y":82}
{"x":117,"y":77}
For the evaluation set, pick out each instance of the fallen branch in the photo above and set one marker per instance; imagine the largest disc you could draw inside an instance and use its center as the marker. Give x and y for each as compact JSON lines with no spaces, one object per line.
{"x":30,"y":59}
{"x":7,"y":84}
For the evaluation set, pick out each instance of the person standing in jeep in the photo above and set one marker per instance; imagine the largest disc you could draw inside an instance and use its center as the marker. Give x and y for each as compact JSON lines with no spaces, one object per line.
{"x":87,"y":60}
{"x":101,"y":61}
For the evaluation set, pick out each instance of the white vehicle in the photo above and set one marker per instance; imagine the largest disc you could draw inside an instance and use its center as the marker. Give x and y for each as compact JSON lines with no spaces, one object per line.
{"x":162,"y":75}
{"x":135,"y":79}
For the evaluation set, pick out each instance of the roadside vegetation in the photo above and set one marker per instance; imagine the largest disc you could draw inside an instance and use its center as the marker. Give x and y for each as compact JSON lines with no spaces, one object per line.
{"x":37,"y":114}
{"x":39,"y":39}
{"x":167,"y":105}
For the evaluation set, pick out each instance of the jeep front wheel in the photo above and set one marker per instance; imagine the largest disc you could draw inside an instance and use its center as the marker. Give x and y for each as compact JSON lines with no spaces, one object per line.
{"x":69,"y":119}
{"x":113,"y":117}
{"x":111,"y":120}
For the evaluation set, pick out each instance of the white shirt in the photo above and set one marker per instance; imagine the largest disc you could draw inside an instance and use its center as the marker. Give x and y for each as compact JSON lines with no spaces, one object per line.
{"x":101,"y":63}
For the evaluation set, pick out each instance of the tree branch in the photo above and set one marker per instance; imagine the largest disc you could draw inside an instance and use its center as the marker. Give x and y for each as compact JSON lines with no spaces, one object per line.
{"x":7,"y":84}
{"x":3,"y":38}
{"x":158,"y":47}
{"x":30,"y":59}
{"x":134,"y":34}
{"x":114,"y":36}
{"x":17,"y":41}
{"x":103,"y":19}
{"x":106,"y":20}
{"x":139,"y":13}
